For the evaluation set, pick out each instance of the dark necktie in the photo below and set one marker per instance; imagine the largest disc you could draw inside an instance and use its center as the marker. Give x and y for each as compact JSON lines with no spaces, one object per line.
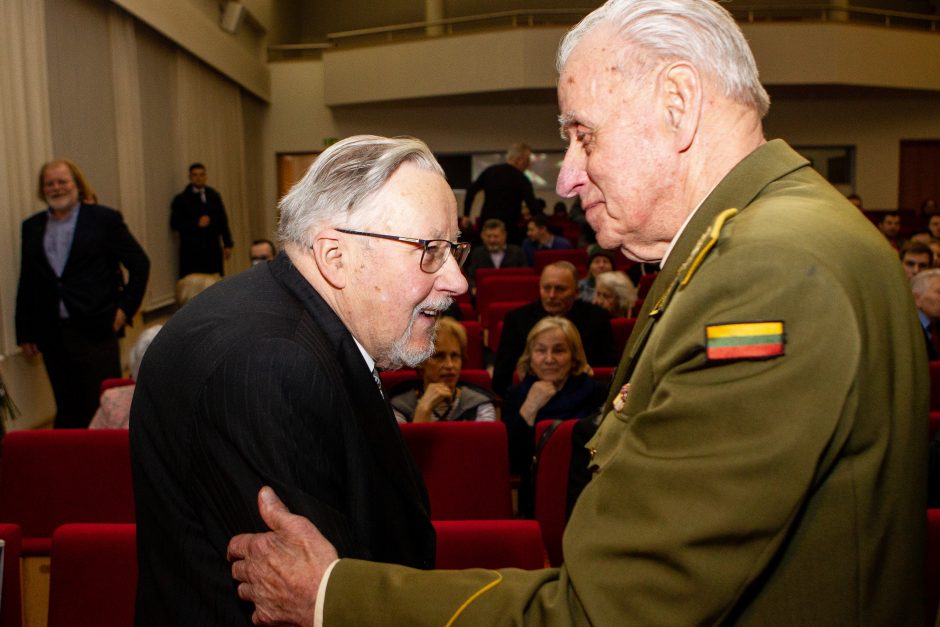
{"x":378,"y":381}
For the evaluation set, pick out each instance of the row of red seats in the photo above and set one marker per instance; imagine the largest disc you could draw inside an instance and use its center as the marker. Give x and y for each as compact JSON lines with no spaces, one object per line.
{"x":94,"y":566}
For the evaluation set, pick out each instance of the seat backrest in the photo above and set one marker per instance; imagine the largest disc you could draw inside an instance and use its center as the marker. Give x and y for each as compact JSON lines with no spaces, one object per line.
{"x":52,"y":477}
{"x":474,"y":357}
{"x":93,"y":579}
{"x":577,"y":256}
{"x":646,"y":281}
{"x":604,"y":374}
{"x":478,"y":377}
{"x":523,"y":288}
{"x":551,"y":486}
{"x":107,"y":384}
{"x":933,"y":424}
{"x":11,"y":596}
{"x":622,"y":328}
{"x":465,"y":466}
{"x":489,"y":544}
{"x":482,"y":274}
{"x":493,"y":320}
{"x":933,"y":563}
{"x":392,"y":379}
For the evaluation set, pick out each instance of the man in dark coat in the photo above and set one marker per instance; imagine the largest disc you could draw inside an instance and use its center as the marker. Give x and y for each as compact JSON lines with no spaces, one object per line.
{"x":505,"y":187}
{"x":198,"y":215}
{"x":72,"y":302}
{"x":269,"y":378}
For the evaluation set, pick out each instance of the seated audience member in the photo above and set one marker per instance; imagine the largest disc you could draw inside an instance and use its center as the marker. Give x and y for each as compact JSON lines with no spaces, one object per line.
{"x":890,"y":227}
{"x":555,"y":384}
{"x":261,"y":250}
{"x":855,"y":199}
{"x":933,"y":225}
{"x":115,"y":408}
{"x":935,"y":248}
{"x":599,"y":261}
{"x":191,"y":285}
{"x":915,"y":257}
{"x":615,"y":293}
{"x":559,"y":218}
{"x":440,"y":397}
{"x":923,"y":236}
{"x":539,"y":237}
{"x":558,"y":290}
{"x":926,"y":288}
{"x":928,"y":207}
{"x":494,"y":253}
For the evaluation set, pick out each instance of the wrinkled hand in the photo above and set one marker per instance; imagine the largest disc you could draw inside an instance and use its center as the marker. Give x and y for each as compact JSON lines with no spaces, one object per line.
{"x":120,"y":319}
{"x":280,"y":571}
{"x":29,"y":349}
{"x":539,"y":394}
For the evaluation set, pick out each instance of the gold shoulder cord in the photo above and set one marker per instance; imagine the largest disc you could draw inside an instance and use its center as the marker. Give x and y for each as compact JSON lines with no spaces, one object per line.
{"x":473,"y":597}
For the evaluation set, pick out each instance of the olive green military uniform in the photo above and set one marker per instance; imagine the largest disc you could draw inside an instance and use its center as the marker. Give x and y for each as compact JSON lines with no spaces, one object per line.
{"x":754,"y":482}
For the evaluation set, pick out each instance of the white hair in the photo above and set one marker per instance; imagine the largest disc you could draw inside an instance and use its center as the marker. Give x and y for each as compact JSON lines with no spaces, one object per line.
{"x":622,"y":287}
{"x":698,"y":31}
{"x":920,"y":282}
{"x":345,"y":177}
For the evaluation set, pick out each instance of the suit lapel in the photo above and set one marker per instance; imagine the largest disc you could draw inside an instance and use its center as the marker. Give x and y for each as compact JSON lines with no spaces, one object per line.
{"x":738,"y":189}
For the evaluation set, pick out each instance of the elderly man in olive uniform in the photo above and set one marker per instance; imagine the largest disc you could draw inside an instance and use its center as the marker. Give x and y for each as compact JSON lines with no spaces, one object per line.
{"x":767,"y":465}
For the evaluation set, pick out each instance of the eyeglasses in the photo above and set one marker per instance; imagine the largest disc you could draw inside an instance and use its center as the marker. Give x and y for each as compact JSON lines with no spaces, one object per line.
{"x":434,"y":253}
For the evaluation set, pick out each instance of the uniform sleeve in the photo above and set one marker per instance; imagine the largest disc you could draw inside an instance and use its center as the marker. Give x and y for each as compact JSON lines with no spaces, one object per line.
{"x":700,"y":479}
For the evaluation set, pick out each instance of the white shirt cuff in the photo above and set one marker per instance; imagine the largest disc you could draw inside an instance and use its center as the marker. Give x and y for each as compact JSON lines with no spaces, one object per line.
{"x":321,"y":595}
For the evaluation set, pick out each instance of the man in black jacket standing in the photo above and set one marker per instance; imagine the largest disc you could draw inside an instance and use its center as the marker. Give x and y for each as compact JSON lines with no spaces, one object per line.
{"x":198,"y":214}
{"x":505,"y":187}
{"x":72,"y":302}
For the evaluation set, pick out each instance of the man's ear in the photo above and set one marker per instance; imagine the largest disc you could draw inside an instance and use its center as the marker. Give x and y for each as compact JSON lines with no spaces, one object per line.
{"x":682,"y":102}
{"x":330,"y":257}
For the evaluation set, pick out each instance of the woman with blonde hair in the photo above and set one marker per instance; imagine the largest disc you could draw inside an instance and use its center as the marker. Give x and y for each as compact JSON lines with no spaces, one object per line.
{"x":442,"y":397}
{"x":555,"y":384}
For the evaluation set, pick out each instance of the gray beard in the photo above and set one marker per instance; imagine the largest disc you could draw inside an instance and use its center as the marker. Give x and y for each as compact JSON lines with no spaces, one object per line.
{"x":400,"y":354}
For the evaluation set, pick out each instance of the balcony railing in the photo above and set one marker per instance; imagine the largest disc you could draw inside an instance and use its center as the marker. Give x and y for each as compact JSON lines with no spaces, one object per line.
{"x":527,"y":18}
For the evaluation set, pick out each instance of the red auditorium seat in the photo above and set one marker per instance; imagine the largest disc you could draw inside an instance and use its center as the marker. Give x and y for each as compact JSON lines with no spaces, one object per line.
{"x":603,"y":373}
{"x":478,"y":377}
{"x":94,"y":576}
{"x":493,"y":320}
{"x":933,"y":563}
{"x":933,"y":424}
{"x":577,"y":256}
{"x":622,"y":328}
{"x":465,"y":466}
{"x":474,"y":357}
{"x":107,"y":384}
{"x":11,"y":609}
{"x":482,"y":274}
{"x":391,"y":379}
{"x":489,"y":544}
{"x":646,"y":281}
{"x":52,"y":477}
{"x":551,"y":486}
{"x":523,"y":288}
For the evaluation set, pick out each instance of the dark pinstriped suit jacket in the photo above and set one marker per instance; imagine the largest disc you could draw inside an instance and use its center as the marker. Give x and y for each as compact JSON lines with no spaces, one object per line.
{"x":258,"y":382}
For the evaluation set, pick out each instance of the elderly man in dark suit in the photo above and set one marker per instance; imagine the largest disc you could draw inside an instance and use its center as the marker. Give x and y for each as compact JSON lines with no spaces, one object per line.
{"x":765,"y":466}
{"x":270,"y":378}
{"x":72,"y":302}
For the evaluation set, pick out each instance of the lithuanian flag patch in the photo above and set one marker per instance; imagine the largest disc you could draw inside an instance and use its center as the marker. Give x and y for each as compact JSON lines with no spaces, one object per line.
{"x":744,"y":340}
